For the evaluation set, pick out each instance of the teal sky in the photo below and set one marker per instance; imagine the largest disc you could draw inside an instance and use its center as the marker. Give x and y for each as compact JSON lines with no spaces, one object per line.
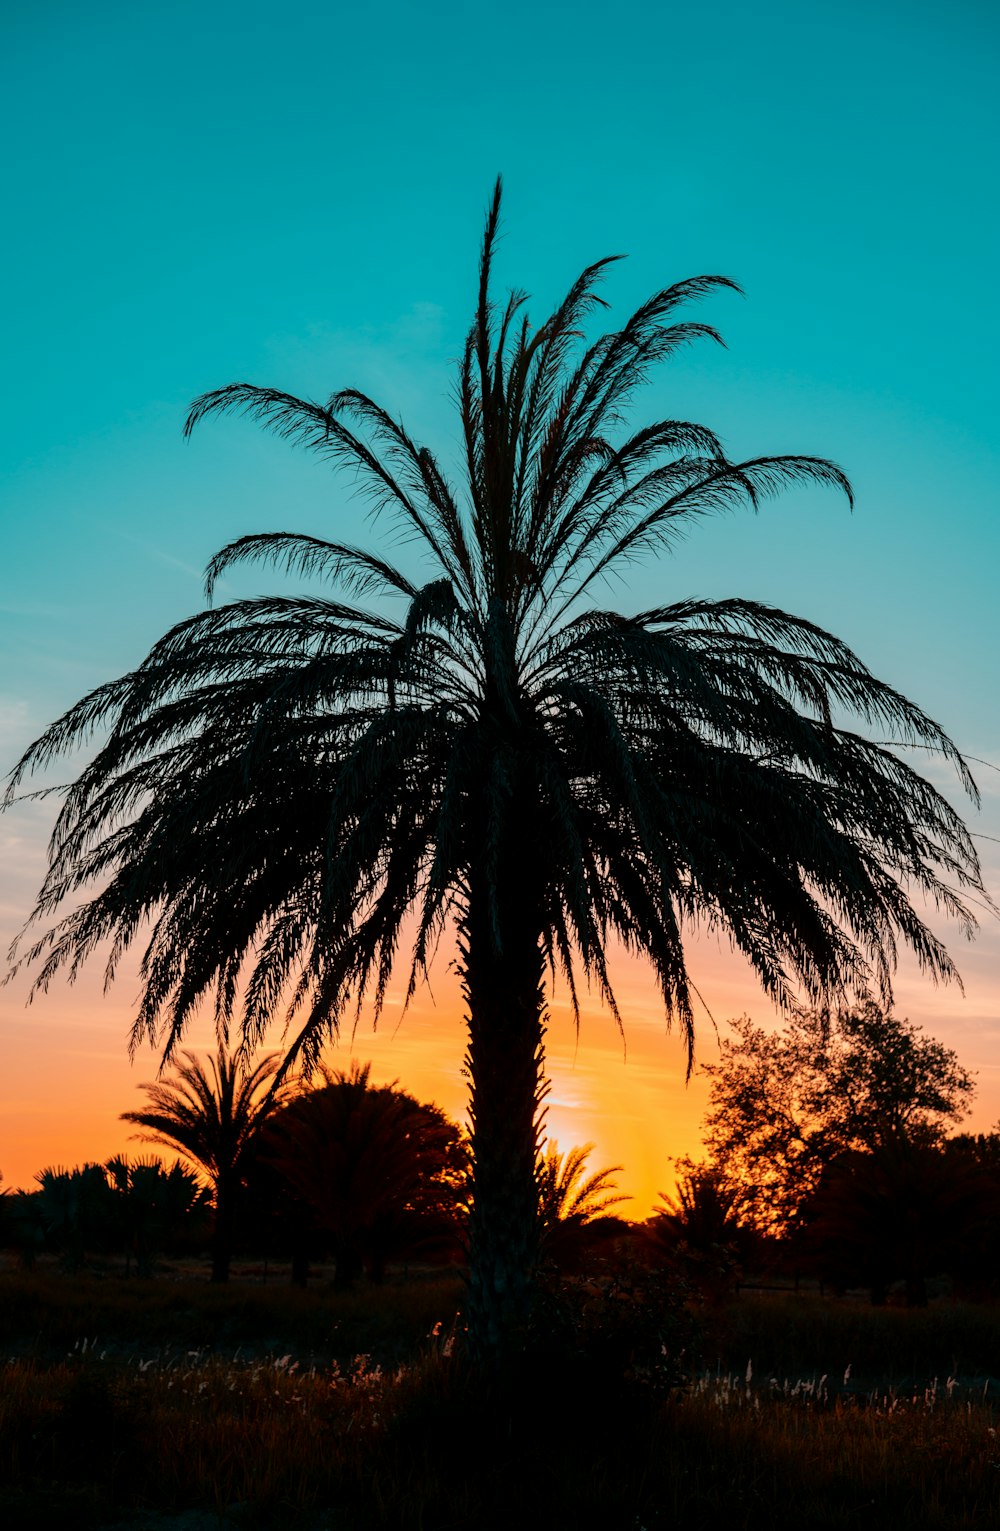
{"x":196,"y":194}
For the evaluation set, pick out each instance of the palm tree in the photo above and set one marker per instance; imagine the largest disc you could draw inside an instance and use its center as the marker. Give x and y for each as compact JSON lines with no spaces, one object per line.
{"x":565,"y":1196}
{"x":701,"y":1228}
{"x":304,"y":780}
{"x":74,"y":1210}
{"x":150,"y":1205}
{"x":570,"y":1201}
{"x":212,"y":1115}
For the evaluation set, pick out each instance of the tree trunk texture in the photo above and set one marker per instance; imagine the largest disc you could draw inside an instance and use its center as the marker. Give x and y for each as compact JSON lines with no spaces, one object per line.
{"x":503,"y":972}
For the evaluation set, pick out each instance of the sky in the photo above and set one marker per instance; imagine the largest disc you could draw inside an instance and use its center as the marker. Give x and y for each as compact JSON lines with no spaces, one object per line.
{"x":196,"y":195}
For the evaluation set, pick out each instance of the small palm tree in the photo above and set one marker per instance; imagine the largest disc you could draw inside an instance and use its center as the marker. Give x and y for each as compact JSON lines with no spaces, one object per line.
{"x":293,"y":786}
{"x":150,"y":1204}
{"x":571,"y":1201}
{"x":565,"y":1196}
{"x":701,"y":1229}
{"x":74,"y":1210}
{"x":212,"y":1114}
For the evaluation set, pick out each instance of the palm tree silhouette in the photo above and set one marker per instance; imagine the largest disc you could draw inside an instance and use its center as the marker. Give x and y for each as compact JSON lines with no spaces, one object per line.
{"x":305,"y":780}
{"x":571,"y":1202}
{"x":73,"y":1208}
{"x":700,"y":1229}
{"x":150,"y":1204}
{"x":566,"y":1193}
{"x":212,"y":1115}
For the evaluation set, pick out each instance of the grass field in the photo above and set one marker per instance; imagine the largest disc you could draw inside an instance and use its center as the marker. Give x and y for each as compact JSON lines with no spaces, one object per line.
{"x":170,"y":1404}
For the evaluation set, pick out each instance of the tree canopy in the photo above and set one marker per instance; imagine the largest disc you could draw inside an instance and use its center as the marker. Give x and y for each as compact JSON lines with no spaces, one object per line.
{"x":383,"y":1175}
{"x":784,"y":1105}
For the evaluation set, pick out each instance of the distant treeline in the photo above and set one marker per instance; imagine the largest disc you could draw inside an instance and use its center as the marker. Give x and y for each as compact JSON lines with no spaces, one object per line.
{"x":827,"y":1157}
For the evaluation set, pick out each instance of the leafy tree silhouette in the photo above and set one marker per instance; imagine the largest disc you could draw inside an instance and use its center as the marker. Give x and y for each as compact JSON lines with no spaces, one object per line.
{"x":785,"y":1105}
{"x":973,"y":1161}
{"x":901,"y":1211}
{"x":382,"y":1174}
{"x":303,"y":780}
{"x":213,"y":1114}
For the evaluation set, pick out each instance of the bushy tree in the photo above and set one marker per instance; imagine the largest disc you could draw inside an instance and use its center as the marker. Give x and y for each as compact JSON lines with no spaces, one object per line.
{"x":901,"y":1212}
{"x":785,"y":1105}
{"x":293,"y":785}
{"x":381,"y":1174}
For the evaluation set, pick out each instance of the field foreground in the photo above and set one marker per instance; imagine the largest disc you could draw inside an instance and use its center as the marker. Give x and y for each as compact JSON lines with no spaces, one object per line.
{"x":173,"y":1406}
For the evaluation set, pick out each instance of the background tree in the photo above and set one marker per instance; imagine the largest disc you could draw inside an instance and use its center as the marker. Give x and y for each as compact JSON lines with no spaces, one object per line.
{"x":150,"y":1205}
{"x":213,"y":1114}
{"x":75,"y":1212}
{"x":901,"y":1212}
{"x":973,"y":1160}
{"x":701,"y":1230}
{"x":302,"y":780}
{"x":382,"y":1174}
{"x":574,"y":1207}
{"x":783,"y":1106}
{"x":137,"y":1206}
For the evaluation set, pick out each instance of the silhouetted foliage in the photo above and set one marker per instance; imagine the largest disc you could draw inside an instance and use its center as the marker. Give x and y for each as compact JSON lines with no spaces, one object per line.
{"x":973,"y":1160}
{"x":614,"y":1336}
{"x":23,"y":1226}
{"x":74,"y":1211}
{"x":573,"y":1206}
{"x":294,"y":782}
{"x":135,"y":1206}
{"x":901,"y":1212}
{"x":381,"y":1175}
{"x":785,"y":1105}
{"x":700,"y":1231}
{"x":150,"y":1204}
{"x":213,"y":1115}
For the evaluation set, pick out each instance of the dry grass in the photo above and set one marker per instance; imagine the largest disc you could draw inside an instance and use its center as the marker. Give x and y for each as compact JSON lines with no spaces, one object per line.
{"x":384,"y":1440}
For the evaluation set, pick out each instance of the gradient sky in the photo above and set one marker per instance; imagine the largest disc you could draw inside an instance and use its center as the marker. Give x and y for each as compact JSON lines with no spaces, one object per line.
{"x":196,"y":195}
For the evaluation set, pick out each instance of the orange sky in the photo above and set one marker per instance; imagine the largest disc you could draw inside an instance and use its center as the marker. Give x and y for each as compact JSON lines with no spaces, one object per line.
{"x":66,"y":1075}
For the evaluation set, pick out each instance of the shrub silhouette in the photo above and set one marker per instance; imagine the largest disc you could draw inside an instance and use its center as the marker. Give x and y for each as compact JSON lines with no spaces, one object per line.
{"x":381,"y":1175}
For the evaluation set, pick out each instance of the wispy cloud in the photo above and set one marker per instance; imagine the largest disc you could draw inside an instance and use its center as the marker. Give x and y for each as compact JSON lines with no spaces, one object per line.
{"x":160,"y":555}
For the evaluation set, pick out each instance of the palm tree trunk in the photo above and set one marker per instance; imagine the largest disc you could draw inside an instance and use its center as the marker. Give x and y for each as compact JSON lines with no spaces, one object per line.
{"x":503,"y":989}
